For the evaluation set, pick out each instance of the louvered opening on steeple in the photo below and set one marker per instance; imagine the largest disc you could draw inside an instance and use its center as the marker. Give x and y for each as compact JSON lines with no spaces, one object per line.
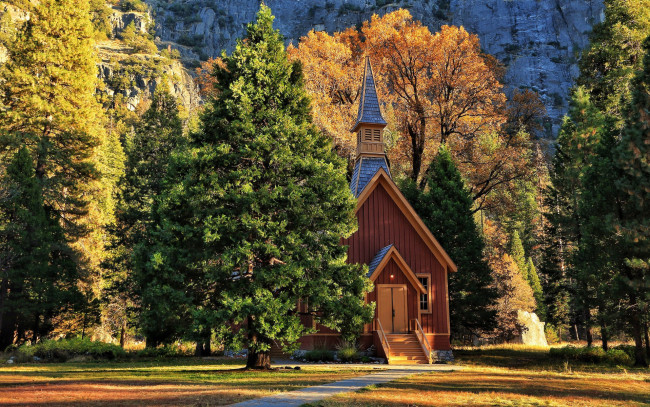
{"x":370,"y":122}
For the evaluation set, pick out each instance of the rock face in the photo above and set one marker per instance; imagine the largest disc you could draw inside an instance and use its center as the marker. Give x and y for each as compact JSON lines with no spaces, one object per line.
{"x":137,"y":76}
{"x":532,"y":329}
{"x":538,"y":40}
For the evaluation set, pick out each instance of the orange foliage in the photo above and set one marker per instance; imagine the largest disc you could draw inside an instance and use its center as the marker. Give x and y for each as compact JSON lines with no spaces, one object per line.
{"x":436,"y":88}
{"x":514,"y":293}
{"x":205,"y":78}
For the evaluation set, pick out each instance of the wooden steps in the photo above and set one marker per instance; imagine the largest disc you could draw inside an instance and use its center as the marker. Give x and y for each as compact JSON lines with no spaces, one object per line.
{"x":405,"y":349}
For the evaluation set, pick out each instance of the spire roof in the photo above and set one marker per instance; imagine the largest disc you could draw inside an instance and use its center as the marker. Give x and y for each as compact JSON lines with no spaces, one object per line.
{"x":369,"y":112}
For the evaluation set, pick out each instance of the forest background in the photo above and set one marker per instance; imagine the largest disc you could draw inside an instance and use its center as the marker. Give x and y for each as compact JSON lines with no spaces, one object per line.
{"x":558,"y":229}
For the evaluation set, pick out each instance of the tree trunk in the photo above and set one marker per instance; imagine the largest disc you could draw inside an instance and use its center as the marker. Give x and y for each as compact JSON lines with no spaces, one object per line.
{"x":639,"y":352}
{"x":150,"y":343}
{"x":258,"y":360}
{"x":198,"y":351}
{"x":590,"y":339}
{"x":123,"y":334}
{"x":604,"y":334}
{"x":207,"y":348}
{"x":36,"y":328}
{"x":647,"y":339}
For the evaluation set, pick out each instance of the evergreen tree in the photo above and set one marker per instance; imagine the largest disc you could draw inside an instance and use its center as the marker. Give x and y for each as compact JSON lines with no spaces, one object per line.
{"x":254,"y":225}
{"x":633,"y":157}
{"x":47,"y":93}
{"x":148,"y":149}
{"x":445,"y":206}
{"x":614,"y":54}
{"x":38,"y":273}
{"x":536,"y":286}
{"x":519,"y":255}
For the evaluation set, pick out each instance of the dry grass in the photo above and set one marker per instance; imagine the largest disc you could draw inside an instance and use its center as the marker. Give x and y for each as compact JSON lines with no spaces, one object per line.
{"x":510,"y":375}
{"x":168,"y":383}
{"x":504,"y":387}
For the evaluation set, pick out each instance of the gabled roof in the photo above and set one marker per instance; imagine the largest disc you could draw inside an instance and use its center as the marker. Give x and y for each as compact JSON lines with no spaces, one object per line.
{"x":369,"y":112}
{"x":377,"y":259}
{"x":382,"y":178}
{"x":364,"y":170}
{"x":382,"y":258}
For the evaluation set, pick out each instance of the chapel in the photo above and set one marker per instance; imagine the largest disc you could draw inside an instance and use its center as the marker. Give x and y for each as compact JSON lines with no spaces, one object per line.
{"x":407,"y":265}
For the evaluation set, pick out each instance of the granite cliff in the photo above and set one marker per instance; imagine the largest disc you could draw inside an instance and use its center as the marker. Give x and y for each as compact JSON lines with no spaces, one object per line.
{"x":538,"y":40}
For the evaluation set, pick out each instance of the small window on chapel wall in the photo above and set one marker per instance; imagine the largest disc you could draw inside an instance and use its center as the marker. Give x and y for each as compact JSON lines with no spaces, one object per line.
{"x":425,"y":299}
{"x":367,"y":134}
{"x":376,"y":135}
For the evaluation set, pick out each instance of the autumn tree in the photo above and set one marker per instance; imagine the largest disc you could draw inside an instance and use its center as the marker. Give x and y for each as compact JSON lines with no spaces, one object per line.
{"x":437,"y":88}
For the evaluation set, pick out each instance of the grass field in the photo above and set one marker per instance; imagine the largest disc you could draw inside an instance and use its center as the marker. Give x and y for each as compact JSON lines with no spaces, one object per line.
{"x":510,"y":376}
{"x":180,"y":382}
{"x":494,"y":376}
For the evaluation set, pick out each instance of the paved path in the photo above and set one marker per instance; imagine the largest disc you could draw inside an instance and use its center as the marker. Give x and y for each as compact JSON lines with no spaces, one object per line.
{"x":317,"y":393}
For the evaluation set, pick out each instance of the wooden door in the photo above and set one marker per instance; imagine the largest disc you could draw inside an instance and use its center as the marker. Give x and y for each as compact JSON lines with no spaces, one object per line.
{"x":399,"y":307}
{"x":391,"y":308}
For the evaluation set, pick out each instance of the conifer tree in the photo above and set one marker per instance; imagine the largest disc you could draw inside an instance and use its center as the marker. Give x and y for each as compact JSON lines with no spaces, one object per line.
{"x":37,"y":269}
{"x":608,"y":65}
{"x":254,"y":225}
{"x":445,"y":206}
{"x":47,"y":93}
{"x":536,"y":286}
{"x":518,"y":255}
{"x":633,"y":157}
{"x":148,"y":148}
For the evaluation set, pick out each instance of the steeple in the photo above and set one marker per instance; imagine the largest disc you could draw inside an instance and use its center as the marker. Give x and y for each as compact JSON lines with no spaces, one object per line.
{"x":370,"y":122}
{"x":370,"y":137}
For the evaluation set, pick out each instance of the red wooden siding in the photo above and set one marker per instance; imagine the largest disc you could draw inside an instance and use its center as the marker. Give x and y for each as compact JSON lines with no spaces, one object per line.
{"x":381,"y":222}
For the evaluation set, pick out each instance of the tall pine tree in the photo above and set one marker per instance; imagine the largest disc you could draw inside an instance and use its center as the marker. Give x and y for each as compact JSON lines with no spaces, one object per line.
{"x":47,"y":93}
{"x":255,"y":224}
{"x":634,"y":227}
{"x":38,"y":274}
{"x":445,"y":206}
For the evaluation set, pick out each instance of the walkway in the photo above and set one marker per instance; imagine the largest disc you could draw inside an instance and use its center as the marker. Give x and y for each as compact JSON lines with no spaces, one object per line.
{"x":317,"y":393}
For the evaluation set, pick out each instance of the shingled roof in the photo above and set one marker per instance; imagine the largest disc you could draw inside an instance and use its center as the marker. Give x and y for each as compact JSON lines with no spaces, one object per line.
{"x":364,"y":170}
{"x":377,"y":259}
{"x":369,"y":112}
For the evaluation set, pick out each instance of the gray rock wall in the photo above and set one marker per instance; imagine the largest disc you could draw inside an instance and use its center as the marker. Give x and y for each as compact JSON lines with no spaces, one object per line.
{"x":538,"y":40}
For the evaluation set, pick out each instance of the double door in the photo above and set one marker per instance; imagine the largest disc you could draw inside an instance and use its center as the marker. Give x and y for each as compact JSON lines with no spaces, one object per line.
{"x":391,"y":304}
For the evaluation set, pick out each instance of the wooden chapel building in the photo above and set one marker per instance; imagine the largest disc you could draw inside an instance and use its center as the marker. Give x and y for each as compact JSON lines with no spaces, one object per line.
{"x":407,"y":265}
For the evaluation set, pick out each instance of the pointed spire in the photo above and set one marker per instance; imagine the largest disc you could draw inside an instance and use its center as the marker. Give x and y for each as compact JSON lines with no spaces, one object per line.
{"x":369,"y":112}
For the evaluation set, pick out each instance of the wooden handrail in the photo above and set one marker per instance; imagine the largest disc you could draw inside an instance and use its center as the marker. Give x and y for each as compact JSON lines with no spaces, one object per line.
{"x":424,"y":342}
{"x":384,"y":341}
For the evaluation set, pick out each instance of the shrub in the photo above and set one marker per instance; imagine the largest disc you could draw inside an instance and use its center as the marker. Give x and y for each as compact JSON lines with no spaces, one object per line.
{"x":161,"y":352}
{"x":65,"y":349}
{"x":133,"y":5}
{"x":618,"y":357}
{"x":592,"y":355}
{"x":347,"y":352}
{"x":318,"y":355}
{"x":551,"y":334}
{"x":628,"y":349}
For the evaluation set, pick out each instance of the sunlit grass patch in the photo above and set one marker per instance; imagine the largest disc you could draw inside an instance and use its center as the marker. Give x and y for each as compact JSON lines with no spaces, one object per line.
{"x":186,"y":381}
{"x":504,"y":387}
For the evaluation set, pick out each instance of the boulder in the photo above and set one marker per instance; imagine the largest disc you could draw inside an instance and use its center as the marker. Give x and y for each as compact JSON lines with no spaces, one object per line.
{"x":531,"y":329}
